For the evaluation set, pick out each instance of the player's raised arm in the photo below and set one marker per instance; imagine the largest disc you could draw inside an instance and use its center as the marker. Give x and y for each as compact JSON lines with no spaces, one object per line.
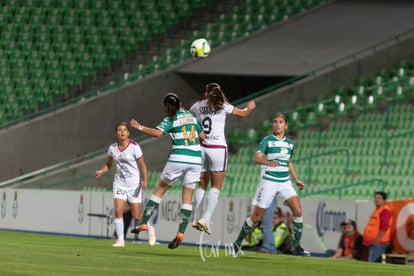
{"x":147,"y":130}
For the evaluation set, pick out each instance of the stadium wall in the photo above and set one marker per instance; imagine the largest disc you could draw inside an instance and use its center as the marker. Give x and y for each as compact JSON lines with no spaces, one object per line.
{"x":91,"y":214}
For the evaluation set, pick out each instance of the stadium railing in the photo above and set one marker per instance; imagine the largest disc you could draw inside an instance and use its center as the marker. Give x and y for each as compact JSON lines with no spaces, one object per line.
{"x":339,"y":192}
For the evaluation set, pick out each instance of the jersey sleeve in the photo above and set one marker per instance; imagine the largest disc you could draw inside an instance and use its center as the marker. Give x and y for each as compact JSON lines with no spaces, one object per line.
{"x":193,"y":109}
{"x":228,"y":108}
{"x":137,"y":152}
{"x":165,"y":125}
{"x":109,"y":152}
{"x":262,"y":146}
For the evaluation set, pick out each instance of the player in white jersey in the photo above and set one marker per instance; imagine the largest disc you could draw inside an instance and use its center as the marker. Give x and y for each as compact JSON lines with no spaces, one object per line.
{"x":184,"y":161}
{"x":129,"y":180}
{"x":275,"y":152}
{"x":211,"y":112}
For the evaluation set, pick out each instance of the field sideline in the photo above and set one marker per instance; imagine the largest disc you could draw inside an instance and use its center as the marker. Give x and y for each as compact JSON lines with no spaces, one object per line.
{"x":42,"y":254}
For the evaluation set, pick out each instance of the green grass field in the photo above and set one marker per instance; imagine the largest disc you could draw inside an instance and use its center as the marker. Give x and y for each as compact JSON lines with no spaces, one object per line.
{"x":41,"y":254}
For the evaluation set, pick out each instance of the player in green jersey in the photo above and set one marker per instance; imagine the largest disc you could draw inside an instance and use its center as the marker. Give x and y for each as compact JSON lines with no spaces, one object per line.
{"x":184,"y":161}
{"x":275,"y":153}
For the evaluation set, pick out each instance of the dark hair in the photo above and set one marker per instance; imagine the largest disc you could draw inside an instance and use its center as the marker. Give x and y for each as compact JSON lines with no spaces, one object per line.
{"x":382,"y":194}
{"x":350,"y":221}
{"x":216,"y":98}
{"x":212,"y":85}
{"x":121,"y":124}
{"x":278,"y":211}
{"x":172,"y":103}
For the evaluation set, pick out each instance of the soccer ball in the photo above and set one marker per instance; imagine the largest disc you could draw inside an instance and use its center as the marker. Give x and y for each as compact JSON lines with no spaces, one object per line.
{"x":200,"y":48}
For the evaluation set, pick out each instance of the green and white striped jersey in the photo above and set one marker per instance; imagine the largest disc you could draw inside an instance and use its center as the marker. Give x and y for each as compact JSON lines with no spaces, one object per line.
{"x":279,"y":150}
{"x":184,"y":132}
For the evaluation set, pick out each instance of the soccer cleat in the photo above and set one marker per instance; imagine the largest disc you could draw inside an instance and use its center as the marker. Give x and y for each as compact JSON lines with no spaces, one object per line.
{"x":151,"y":236}
{"x":196,"y":226}
{"x":299,"y":251}
{"x":204,"y":226}
{"x":236,"y":250}
{"x":119,"y":244}
{"x":176,"y":241}
{"x":139,"y":228}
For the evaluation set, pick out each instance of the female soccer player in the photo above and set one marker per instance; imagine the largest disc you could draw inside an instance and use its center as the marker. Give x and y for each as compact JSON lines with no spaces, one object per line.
{"x":275,"y":151}
{"x":184,"y":161}
{"x":130,"y":179}
{"x":211,"y":112}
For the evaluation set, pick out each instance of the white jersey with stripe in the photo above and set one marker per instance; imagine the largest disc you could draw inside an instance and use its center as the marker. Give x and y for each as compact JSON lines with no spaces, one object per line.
{"x":184,"y":133}
{"x":127,"y":172}
{"x":280,"y":150}
{"x":213,"y":122}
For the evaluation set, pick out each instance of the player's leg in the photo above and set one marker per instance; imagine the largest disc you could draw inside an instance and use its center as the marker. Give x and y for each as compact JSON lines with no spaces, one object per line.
{"x":212,"y":197}
{"x":265,"y":192}
{"x":136,"y":210}
{"x":191,"y":178}
{"x":170,"y":174}
{"x":217,"y":167}
{"x":153,"y":203}
{"x":185,"y":214}
{"x":247,"y":227}
{"x":198,"y":198}
{"x":295,"y":207}
{"x":127,"y":217}
{"x":119,"y":203}
{"x":136,"y":207}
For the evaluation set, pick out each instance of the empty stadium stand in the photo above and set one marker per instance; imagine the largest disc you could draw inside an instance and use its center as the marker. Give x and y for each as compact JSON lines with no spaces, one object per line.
{"x":53,"y":52}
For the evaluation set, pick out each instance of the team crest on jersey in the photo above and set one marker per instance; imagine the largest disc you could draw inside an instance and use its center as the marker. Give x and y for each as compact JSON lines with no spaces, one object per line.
{"x":272,"y":143}
{"x":284,"y":151}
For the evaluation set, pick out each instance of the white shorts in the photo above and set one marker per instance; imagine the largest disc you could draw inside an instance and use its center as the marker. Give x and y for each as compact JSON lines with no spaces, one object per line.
{"x":190,"y":173}
{"x":214,"y":158}
{"x":267,"y":190}
{"x":127,"y":194}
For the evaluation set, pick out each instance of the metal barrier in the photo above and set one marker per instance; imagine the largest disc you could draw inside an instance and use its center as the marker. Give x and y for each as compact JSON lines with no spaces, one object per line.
{"x":326,"y":153}
{"x":341,"y":188}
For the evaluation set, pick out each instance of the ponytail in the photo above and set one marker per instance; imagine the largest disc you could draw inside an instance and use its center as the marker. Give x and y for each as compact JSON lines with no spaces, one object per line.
{"x":216,"y":98}
{"x":172,"y":103}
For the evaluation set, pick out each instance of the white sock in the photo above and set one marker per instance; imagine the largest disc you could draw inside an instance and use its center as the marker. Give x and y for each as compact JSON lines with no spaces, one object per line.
{"x":212,"y":199}
{"x":155,"y":199}
{"x":249,"y":221}
{"x":119,"y":228}
{"x":198,"y":197}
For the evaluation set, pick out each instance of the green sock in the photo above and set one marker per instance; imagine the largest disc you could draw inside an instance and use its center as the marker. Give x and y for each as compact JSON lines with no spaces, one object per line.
{"x":246,"y":229}
{"x":297,"y":233}
{"x":148,"y":211}
{"x":185,"y":216}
